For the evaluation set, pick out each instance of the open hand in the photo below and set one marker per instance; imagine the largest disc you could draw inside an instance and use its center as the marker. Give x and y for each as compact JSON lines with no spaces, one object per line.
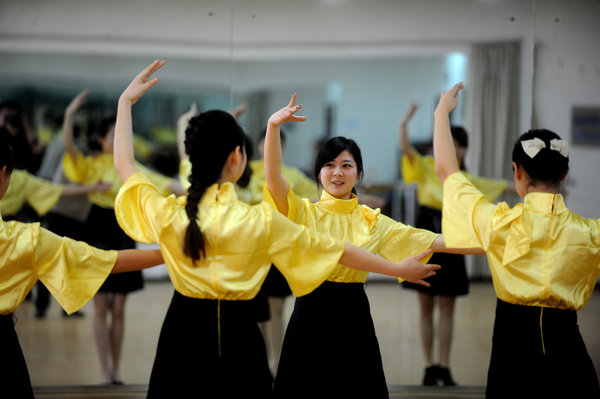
{"x":449,"y":99}
{"x":416,"y":271}
{"x":287,"y":113}
{"x":142,"y":82}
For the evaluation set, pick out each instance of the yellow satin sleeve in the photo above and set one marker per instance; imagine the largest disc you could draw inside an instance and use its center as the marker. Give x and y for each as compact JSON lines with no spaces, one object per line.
{"x":24,"y":187}
{"x":539,"y":252}
{"x":241,"y":241}
{"x":71,"y":270}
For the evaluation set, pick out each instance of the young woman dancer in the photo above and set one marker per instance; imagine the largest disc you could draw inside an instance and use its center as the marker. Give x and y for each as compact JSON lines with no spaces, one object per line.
{"x":104,"y":232}
{"x":72,"y":271}
{"x":330,"y":339}
{"x":218,"y":251}
{"x":543,"y":258}
{"x":452,"y":280}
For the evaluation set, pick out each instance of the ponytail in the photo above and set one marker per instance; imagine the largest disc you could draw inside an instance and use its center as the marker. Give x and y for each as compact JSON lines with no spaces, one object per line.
{"x":209,"y":139}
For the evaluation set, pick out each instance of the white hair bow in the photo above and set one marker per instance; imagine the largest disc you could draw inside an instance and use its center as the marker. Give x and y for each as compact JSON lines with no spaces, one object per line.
{"x":533,"y":146}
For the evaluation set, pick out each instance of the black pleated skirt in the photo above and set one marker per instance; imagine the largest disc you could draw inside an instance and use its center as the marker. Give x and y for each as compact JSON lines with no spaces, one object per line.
{"x":210,"y":348}
{"x":330,"y":348}
{"x":14,"y":375}
{"x":451,"y":279}
{"x":539,"y":353}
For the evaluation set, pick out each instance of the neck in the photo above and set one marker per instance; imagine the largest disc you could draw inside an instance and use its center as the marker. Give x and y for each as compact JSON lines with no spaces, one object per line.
{"x":542,"y":188}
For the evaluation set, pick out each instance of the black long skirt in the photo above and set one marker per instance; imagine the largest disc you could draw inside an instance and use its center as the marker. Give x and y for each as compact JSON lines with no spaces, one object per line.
{"x":451,"y":279}
{"x":539,"y":353}
{"x":210,"y":348}
{"x":14,"y":375}
{"x":330,"y":349}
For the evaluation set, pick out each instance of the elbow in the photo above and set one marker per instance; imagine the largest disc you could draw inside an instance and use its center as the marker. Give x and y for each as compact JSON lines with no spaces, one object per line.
{"x":441,"y":172}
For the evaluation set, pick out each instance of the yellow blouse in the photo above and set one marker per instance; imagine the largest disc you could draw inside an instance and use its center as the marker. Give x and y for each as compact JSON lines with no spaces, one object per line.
{"x":241,"y":242}
{"x":429,"y":185}
{"x":359,"y":225}
{"x":540,"y":253}
{"x":71,"y":270}
{"x":90,"y":170}
{"x":24,"y":187}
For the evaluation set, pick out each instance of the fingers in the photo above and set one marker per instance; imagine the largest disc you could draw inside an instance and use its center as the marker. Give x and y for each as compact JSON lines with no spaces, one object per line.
{"x":422,"y":255}
{"x":424,"y":283}
{"x":292,"y":100}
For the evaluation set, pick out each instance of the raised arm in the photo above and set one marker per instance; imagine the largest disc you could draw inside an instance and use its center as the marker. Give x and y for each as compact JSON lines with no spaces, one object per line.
{"x":443,"y":145}
{"x":129,"y":260}
{"x":410,"y":269}
{"x":123,"y":146}
{"x":278,"y":185}
{"x":405,"y":146}
{"x":67,"y":126}
{"x":182,"y":123}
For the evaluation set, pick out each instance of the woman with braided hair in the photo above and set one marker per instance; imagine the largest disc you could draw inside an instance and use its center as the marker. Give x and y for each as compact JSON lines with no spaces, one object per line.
{"x":218,"y":251}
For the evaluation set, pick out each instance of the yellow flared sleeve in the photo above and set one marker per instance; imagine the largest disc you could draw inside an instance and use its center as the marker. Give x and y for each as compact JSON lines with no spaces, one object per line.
{"x":141,"y":220}
{"x":40,"y":194}
{"x":73,"y":271}
{"x":466,"y":214}
{"x":399,"y":241}
{"x":293,"y":202}
{"x":305,"y":257}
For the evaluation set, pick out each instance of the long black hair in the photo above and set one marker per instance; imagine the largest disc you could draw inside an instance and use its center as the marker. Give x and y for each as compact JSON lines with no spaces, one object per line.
{"x":209,"y":139}
{"x":547,"y":166}
{"x":331,"y":149}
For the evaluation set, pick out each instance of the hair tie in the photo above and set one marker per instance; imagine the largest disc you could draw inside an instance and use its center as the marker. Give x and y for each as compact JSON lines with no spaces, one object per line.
{"x":533,"y":146}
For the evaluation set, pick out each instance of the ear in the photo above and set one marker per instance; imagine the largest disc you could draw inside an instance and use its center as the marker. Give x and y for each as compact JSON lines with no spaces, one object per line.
{"x":564,"y":176}
{"x":235,"y":157}
{"x":518,"y":172}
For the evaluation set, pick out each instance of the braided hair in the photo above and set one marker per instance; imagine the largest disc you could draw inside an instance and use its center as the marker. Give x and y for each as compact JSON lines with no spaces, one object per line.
{"x":209,"y":139}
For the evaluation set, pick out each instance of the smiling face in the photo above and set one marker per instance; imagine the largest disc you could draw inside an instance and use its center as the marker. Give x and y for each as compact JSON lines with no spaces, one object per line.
{"x":339,"y":175}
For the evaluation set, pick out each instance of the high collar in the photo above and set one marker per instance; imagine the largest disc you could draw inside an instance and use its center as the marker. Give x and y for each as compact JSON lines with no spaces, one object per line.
{"x":223,"y":193}
{"x":545,"y":202}
{"x":332,"y":204}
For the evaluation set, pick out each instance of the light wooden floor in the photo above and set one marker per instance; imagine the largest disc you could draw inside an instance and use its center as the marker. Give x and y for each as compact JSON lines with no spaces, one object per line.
{"x":60,"y":351}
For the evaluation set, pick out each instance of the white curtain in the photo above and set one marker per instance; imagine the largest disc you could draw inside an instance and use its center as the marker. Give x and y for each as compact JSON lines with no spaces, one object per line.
{"x":493,"y":114}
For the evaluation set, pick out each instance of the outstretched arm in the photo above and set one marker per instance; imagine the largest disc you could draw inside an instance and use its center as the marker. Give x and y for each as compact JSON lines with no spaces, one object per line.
{"x":278,"y":185}
{"x":440,"y":246}
{"x":443,"y":145}
{"x":123,"y":147}
{"x":129,"y":260}
{"x":67,"y":126}
{"x":405,"y":146}
{"x":182,"y":123}
{"x":410,"y":269}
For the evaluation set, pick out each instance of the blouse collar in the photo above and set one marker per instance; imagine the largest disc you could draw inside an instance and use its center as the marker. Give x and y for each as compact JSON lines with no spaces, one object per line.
{"x":223,"y":193}
{"x":545,"y":202}
{"x":332,"y":204}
